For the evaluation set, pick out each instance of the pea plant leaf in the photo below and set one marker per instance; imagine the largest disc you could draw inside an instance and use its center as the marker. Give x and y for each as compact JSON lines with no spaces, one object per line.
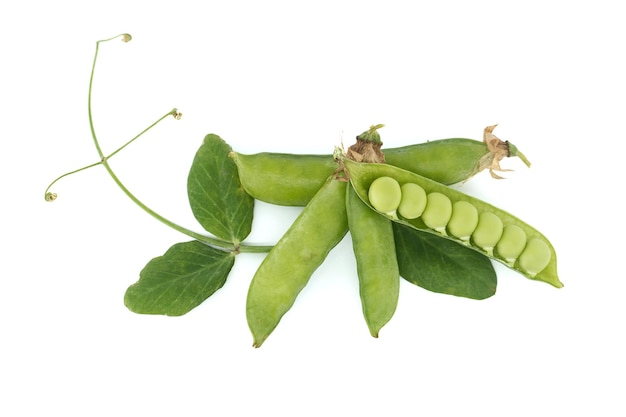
{"x":217,"y":199}
{"x":443,"y":266}
{"x":180,"y":280}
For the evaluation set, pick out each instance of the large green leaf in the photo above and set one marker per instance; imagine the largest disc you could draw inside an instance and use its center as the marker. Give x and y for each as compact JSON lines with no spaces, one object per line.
{"x":180,"y":280}
{"x":217,"y":199}
{"x":443,"y":266}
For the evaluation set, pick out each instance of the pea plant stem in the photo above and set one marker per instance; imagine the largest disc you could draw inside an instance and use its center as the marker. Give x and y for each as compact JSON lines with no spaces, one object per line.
{"x":208,"y":240}
{"x":49,"y":196}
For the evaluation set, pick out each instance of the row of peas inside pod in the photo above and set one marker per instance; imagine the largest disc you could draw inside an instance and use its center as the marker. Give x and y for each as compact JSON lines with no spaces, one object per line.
{"x":430,"y":207}
{"x":461,"y":220}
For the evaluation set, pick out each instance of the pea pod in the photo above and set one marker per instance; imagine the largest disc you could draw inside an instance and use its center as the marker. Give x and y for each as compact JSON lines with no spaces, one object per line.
{"x":283,"y":179}
{"x":538,"y":263}
{"x":377,"y":265}
{"x":447,"y":161}
{"x":300,"y":251}
{"x":450,"y":161}
{"x":292,"y":180}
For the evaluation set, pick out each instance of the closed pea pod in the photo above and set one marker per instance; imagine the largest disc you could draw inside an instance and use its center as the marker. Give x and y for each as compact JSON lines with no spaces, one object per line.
{"x":289,"y":265}
{"x":362,"y":175}
{"x":454,"y":160}
{"x":283,"y":179}
{"x":377,"y":266}
{"x":450,"y":160}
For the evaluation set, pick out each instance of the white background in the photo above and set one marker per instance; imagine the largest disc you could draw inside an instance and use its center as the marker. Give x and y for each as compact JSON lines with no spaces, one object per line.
{"x":300,"y":77}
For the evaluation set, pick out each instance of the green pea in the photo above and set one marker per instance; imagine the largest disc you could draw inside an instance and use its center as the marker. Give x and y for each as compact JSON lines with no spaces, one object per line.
{"x":463,"y":221}
{"x":377,"y":265}
{"x":490,"y":221}
{"x":437,"y":212}
{"x":288,"y":267}
{"x":511,"y":244}
{"x":413,"y":201}
{"x":385,"y":194}
{"x":488,"y":232}
{"x":535,"y":257}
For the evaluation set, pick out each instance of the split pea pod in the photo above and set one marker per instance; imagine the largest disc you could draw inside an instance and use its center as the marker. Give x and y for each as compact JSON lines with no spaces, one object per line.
{"x":377,"y":265}
{"x":292,"y":180}
{"x":536,"y":261}
{"x":288,"y":267}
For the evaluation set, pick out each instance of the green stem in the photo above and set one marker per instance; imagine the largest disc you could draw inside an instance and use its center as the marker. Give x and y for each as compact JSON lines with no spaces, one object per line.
{"x":254,"y":248}
{"x":52,"y":196}
{"x":174,"y":112}
{"x":513,"y":151}
{"x":211,"y":241}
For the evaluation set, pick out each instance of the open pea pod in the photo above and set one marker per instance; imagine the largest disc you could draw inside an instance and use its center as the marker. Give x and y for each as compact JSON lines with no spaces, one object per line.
{"x":536,"y":259}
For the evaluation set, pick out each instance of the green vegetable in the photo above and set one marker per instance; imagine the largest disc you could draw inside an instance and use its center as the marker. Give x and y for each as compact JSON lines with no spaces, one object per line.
{"x":362,"y":176}
{"x":488,"y":231}
{"x":300,"y":251}
{"x":385,"y":194}
{"x":450,"y":161}
{"x":437,"y":212}
{"x":511,"y":244}
{"x":535,"y":256}
{"x":283,"y":179}
{"x":377,"y":265}
{"x":413,"y":201}
{"x":447,"y":161}
{"x":292,"y":180}
{"x":463,"y":221}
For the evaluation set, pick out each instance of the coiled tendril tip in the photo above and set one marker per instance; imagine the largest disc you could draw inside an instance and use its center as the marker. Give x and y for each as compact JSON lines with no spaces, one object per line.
{"x":126,"y":37}
{"x":50,"y":197}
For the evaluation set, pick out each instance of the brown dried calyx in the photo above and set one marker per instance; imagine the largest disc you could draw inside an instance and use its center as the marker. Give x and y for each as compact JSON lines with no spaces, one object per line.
{"x":367,"y":147}
{"x":498,"y":150}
